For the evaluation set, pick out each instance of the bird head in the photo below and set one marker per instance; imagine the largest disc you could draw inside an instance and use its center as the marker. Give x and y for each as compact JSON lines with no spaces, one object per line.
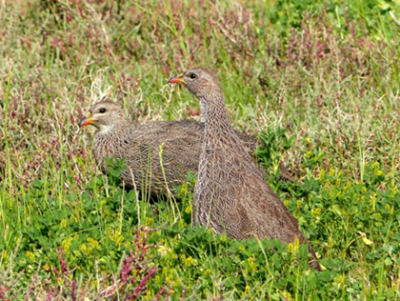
{"x":198,"y":80}
{"x":103,"y":115}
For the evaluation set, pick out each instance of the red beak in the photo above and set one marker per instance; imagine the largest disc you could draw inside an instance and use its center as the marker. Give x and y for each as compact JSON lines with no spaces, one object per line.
{"x":176,"y":80}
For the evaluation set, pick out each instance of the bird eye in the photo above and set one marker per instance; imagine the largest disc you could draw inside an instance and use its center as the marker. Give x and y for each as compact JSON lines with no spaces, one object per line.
{"x":102,"y":110}
{"x":192,"y":75}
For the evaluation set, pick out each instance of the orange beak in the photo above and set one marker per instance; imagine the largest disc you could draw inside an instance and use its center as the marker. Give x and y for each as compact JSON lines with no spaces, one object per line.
{"x":176,"y":80}
{"x":86,"y":120}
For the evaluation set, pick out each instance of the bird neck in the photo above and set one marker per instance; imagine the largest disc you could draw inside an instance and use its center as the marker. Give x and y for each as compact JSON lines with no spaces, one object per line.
{"x":121,"y":127}
{"x":215,"y":118}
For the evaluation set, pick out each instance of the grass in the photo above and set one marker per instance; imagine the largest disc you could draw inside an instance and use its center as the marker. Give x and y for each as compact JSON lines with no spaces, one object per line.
{"x":324,"y":73}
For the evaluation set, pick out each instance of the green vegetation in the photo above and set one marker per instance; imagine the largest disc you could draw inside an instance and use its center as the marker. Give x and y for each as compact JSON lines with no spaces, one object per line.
{"x":319,"y":78}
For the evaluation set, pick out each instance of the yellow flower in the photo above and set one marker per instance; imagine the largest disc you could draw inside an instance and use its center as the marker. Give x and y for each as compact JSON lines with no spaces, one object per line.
{"x":182,"y":223}
{"x":66,"y":244}
{"x":172,"y":254}
{"x":30,"y":255}
{"x":372,"y":199}
{"x":389,"y":208}
{"x":252,"y":266}
{"x":241,"y":248}
{"x":94,"y":243}
{"x":189,"y":261}
{"x":246,"y":290}
{"x":309,"y":154}
{"x":188,"y":209}
{"x":322,"y":174}
{"x":117,"y":237}
{"x":183,"y":190}
{"x":171,"y":282}
{"x":163,"y":250}
{"x":207,"y":272}
{"x":299,"y":204}
{"x":287,"y":296}
{"x":340,"y":280}
{"x":294,"y":247}
{"x":223,"y":238}
{"x":63,"y":223}
{"x":316,"y":212}
{"x":363,"y":190}
{"x":375,"y":165}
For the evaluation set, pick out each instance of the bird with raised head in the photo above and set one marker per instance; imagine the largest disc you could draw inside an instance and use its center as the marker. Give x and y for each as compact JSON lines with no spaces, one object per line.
{"x":181,"y":141}
{"x":231,"y":195}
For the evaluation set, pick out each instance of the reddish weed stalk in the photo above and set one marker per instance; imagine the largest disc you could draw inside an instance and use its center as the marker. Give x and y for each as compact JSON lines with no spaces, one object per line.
{"x":129,"y":283}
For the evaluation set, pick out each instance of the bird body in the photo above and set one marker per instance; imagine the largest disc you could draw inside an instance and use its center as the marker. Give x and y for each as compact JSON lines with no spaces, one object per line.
{"x":177,"y":144}
{"x":144,"y":148}
{"x":231,"y":195}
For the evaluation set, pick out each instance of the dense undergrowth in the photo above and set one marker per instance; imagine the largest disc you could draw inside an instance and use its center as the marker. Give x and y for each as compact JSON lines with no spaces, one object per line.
{"x":318,"y":79}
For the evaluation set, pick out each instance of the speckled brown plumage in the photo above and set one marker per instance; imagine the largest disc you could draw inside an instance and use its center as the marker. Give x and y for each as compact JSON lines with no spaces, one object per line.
{"x":117,"y":137}
{"x":231,"y":194}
